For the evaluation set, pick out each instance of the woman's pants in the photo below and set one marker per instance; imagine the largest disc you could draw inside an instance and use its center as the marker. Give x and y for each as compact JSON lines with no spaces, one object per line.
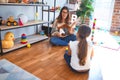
{"x":62,"y":41}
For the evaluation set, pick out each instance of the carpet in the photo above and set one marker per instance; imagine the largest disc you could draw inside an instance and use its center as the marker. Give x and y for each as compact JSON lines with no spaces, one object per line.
{"x":104,"y":39}
{"x":10,"y":71}
{"x":117,"y":38}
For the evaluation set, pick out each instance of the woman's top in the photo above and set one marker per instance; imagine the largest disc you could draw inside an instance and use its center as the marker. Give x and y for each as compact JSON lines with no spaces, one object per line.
{"x":74,"y":57}
{"x":55,"y":28}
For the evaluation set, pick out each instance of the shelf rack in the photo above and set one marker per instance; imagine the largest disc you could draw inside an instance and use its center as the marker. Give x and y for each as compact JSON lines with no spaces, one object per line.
{"x":32,"y":38}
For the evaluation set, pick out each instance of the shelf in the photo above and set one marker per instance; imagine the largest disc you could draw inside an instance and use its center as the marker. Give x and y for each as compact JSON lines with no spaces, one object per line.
{"x":50,"y":25}
{"x":72,"y":10}
{"x":52,"y":10}
{"x":31,"y":39}
{"x":21,"y":4}
{"x":28,"y":24}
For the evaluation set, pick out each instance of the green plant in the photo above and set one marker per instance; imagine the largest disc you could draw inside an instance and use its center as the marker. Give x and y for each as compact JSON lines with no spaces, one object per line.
{"x":86,"y":9}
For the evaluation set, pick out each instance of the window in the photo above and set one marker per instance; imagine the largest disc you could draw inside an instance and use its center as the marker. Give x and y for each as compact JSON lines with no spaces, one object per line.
{"x":103,"y":13}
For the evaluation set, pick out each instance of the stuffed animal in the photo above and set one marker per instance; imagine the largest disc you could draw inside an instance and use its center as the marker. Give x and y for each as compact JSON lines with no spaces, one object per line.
{"x":8,"y":41}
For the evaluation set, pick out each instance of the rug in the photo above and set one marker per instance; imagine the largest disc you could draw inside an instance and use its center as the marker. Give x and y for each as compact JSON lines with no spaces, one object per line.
{"x":104,"y":39}
{"x":10,"y":71}
{"x":117,"y":38}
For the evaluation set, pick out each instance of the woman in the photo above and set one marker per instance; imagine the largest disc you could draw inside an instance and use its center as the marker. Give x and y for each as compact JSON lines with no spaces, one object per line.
{"x":80,"y":51}
{"x":62,"y":31}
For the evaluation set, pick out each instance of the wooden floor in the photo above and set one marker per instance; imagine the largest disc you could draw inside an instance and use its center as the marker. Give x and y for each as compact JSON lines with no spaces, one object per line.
{"x":44,"y":61}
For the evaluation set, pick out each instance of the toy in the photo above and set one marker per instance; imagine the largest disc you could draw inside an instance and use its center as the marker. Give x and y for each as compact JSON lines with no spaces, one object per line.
{"x":20,"y":22}
{"x":35,"y":2}
{"x":23,"y":18}
{"x":66,"y":50}
{"x":25,"y":1}
{"x":61,"y":31}
{"x":28,"y":45}
{"x":42,"y":32}
{"x":36,"y":16}
{"x":55,"y":8}
{"x":8,"y":41}
{"x":74,"y":19}
{"x":116,"y":32}
{"x":93,"y":29}
{"x":23,"y":39}
{"x":11,"y":21}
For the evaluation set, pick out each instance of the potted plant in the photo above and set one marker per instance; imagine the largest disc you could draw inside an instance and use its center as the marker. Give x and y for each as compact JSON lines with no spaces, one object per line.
{"x":86,"y":9}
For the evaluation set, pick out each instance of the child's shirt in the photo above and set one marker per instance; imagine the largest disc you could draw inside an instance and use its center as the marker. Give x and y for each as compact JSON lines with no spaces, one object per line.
{"x":74,"y":56}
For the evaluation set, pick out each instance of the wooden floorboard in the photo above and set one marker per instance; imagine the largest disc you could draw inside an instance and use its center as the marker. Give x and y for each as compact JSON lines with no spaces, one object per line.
{"x":45,"y":61}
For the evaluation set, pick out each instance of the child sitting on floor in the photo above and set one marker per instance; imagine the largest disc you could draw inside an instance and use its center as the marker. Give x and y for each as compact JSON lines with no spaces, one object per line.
{"x":80,"y":52}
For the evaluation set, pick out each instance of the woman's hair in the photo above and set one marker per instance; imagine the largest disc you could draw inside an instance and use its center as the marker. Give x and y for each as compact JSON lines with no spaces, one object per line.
{"x":59,"y":18}
{"x":83,"y":32}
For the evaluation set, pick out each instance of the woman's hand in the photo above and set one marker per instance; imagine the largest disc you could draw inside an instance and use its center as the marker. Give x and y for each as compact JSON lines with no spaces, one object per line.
{"x":71,"y":30}
{"x":73,"y":24}
{"x":62,"y":35}
{"x":62,"y":26}
{"x":57,"y":34}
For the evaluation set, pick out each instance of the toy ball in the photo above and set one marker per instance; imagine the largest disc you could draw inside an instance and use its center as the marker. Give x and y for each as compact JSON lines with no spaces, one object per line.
{"x":28,"y":45}
{"x":23,"y":18}
{"x":66,"y":48}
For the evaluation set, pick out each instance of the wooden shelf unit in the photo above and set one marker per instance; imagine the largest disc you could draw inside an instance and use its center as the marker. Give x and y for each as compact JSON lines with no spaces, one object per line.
{"x":32,"y":38}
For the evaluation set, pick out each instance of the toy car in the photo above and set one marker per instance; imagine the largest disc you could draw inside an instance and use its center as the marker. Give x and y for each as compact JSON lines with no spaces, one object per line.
{"x":11,"y":21}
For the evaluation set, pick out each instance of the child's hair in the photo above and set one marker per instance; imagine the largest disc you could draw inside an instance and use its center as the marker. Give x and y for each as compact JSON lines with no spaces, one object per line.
{"x":59,"y":18}
{"x":83,"y":32}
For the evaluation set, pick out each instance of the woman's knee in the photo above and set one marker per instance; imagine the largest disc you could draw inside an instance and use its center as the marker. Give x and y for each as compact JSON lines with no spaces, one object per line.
{"x":53,"y":39}
{"x":73,"y":37}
